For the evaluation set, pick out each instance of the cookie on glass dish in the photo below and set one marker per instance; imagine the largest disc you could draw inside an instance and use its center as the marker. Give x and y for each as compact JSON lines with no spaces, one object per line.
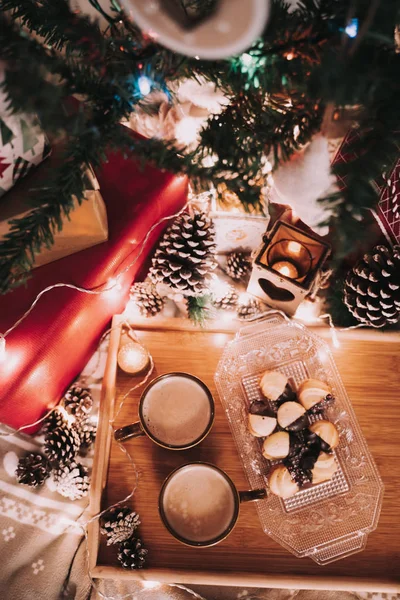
{"x":314,"y":394}
{"x":281,"y":483}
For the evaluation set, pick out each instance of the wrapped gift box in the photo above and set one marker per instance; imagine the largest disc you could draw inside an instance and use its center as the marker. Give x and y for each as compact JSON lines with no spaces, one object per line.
{"x":86,"y":225}
{"x":23,"y":145}
{"x":47,"y":351}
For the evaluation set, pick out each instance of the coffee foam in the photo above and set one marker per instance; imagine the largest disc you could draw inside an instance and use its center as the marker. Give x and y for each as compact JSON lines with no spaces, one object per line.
{"x":176,"y":410}
{"x":199,"y":503}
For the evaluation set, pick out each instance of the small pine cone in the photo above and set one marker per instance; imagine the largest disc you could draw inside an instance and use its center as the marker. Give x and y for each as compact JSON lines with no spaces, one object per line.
{"x":72,"y":481}
{"x":118,"y":524}
{"x":227,"y":299}
{"x":33,"y":469}
{"x":131,"y":554}
{"x":147,"y":299}
{"x":372,"y":288}
{"x":62,"y":444}
{"x":87,"y":434}
{"x":237,"y":265}
{"x":249,"y":309}
{"x":54,"y":420}
{"x":78,"y":402}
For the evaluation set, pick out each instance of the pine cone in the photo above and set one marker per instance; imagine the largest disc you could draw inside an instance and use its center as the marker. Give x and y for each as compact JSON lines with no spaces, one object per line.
{"x":78,"y":401}
{"x":72,"y":481}
{"x":227,"y":299}
{"x":372,"y":288}
{"x":185,"y":256}
{"x":54,"y":420}
{"x":237,"y":265}
{"x":87,"y":434}
{"x":249,"y":309}
{"x":131,"y":554}
{"x":118,"y":524}
{"x":62,"y":444}
{"x":147,"y":299}
{"x":33,"y":469}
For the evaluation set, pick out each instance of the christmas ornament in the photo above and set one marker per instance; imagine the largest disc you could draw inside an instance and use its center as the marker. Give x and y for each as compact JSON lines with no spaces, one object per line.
{"x":237,"y":265}
{"x":55,"y":419}
{"x":72,"y":481}
{"x":212,"y":29}
{"x":133,"y":358}
{"x":78,"y":402}
{"x":302,"y":180}
{"x":147,"y":298}
{"x":62,"y":444}
{"x":33,"y":469}
{"x":248,"y":308}
{"x":131,"y":554}
{"x":185,"y":257}
{"x":118,"y":524}
{"x":372,"y":288}
{"x":388,"y":209}
{"x":224,"y":296}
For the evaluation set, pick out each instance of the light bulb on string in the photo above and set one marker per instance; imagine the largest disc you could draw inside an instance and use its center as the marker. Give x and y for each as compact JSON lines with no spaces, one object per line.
{"x":144,"y":85}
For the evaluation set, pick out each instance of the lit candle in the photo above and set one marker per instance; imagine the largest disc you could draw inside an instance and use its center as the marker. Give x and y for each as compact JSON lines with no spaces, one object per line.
{"x":286,"y":268}
{"x":295,"y":248}
{"x":133,"y":358}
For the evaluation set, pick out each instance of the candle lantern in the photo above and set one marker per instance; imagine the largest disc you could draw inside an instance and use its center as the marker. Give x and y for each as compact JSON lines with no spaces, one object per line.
{"x":286,"y":266}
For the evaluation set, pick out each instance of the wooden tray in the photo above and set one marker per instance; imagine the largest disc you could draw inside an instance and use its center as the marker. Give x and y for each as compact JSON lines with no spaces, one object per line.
{"x":369,"y":363}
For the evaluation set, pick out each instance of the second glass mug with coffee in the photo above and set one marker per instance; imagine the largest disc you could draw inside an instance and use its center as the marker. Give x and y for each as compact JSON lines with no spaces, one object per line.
{"x":199,"y":504}
{"x":176,"y":411}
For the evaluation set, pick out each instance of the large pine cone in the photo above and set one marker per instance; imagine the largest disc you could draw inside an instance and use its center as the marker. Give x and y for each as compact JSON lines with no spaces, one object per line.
{"x":72,"y":481}
{"x":33,"y":469}
{"x":54,"y":420}
{"x":372,"y":288}
{"x":185,"y":256}
{"x":62,"y":444}
{"x":118,"y":524}
{"x":131,"y":554}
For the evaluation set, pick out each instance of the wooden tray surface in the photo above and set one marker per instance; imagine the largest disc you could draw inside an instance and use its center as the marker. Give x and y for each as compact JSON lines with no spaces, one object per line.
{"x":369,"y":365}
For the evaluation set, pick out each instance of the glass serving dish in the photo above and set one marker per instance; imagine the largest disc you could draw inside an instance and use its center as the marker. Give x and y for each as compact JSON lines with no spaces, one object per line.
{"x":327,"y":521}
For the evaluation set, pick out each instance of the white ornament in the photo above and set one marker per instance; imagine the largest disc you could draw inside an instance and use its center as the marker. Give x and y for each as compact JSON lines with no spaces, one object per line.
{"x":302,"y":180}
{"x":229,"y":30}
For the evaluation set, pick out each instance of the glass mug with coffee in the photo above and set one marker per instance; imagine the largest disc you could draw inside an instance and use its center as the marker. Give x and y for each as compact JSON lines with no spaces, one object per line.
{"x":199,"y":504}
{"x":176,"y":411}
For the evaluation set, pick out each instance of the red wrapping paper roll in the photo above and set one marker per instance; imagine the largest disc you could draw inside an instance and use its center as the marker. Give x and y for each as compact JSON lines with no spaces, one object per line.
{"x":48,"y":350}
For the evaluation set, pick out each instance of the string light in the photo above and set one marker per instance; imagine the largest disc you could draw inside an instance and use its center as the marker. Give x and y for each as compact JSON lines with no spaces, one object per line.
{"x":352,"y":28}
{"x":151,"y":585}
{"x":144,"y":85}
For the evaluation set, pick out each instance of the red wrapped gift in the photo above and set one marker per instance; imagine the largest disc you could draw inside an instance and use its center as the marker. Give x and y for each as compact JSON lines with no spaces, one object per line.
{"x":47,"y":351}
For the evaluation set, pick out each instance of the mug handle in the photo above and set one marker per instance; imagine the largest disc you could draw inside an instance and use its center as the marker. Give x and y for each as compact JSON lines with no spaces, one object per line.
{"x":253,"y":495}
{"x":129,"y":431}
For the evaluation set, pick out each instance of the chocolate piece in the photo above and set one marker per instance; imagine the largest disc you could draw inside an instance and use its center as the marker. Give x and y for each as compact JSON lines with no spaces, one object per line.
{"x":313,"y":439}
{"x":261,"y":408}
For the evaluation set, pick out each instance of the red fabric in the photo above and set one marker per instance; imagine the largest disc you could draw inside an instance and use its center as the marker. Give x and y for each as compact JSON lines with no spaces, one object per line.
{"x":49,"y":349}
